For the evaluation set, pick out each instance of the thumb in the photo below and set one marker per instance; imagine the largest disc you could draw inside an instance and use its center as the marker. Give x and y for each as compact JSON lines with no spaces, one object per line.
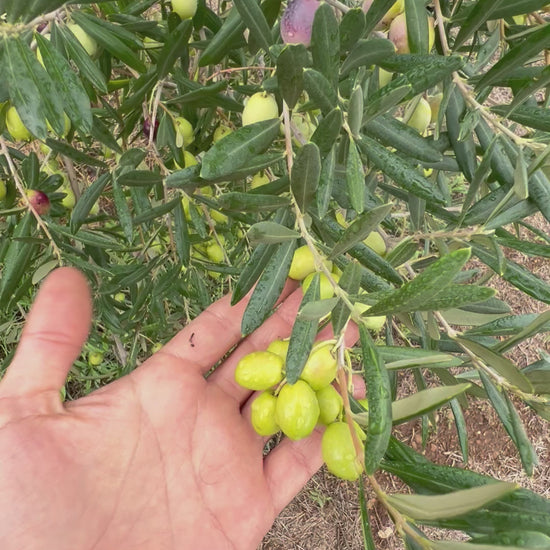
{"x":57,"y":327}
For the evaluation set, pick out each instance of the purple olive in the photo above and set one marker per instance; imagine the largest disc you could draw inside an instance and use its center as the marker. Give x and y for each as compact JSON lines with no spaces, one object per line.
{"x":297,"y":21}
{"x":147,"y":128}
{"x":39,"y":201}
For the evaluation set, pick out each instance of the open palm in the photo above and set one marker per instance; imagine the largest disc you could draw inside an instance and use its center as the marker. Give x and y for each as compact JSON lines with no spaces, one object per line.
{"x":160,"y":459}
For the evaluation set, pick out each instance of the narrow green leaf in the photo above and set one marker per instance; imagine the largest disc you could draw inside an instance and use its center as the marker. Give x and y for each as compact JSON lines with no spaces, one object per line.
{"x":123,"y":209}
{"x":365,"y":523}
{"x":302,"y":336}
{"x":174,"y":47}
{"x":520,"y":188}
{"x":30,"y":65}
{"x":269,"y":288}
{"x":404,"y":174}
{"x":65,"y":149}
{"x":425,"y":401}
{"x":521,"y":539}
{"x":480,"y":13}
{"x":236,"y":149}
{"x":224,"y":40}
{"x":403,"y":138}
{"x":181,"y":235}
{"x":24,"y":95}
{"x":252,"y":271}
{"x":465,"y":150}
{"x":106,"y":35}
{"x":457,"y":296}
{"x":255,"y":20}
{"x":366,"y":257}
{"x":87,"y":201}
{"x":290,"y":73}
{"x":417,"y":26}
{"x":380,"y":404}
{"x":325,"y":42}
{"x":527,"y":327}
{"x":270,"y":232}
{"x":355,"y":178}
{"x":320,"y":90}
{"x":68,"y":86}
{"x":397,"y":357}
{"x":351,"y":29}
{"x":305,"y":175}
{"x":514,"y":273}
{"x":366,"y":53}
{"x":511,"y":422}
{"x":328,"y":131}
{"x":317,"y":310}
{"x":425,"y":285}
{"x":157,"y":211}
{"x":539,"y":192}
{"x":361,"y":227}
{"x":139,"y":178}
{"x":88,"y":69}
{"x":500,"y":364}
{"x":537,"y":41}
{"x":251,"y":202}
{"x":403,"y":252}
{"x":355,"y":111}
{"x":253,"y":166}
{"x":18,"y":258}
{"x":326,"y":182}
{"x":350,"y":281}
{"x":386,"y":98}
{"x":531,"y":116}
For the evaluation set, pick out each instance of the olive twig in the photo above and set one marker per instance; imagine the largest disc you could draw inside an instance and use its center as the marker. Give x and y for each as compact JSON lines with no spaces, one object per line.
{"x":478,"y":363}
{"x":463,"y":88}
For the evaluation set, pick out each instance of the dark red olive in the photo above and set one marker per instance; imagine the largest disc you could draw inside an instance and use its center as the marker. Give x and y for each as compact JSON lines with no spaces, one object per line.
{"x":297,"y":21}
{"x":147,"y":127}
{"x":39,"y":201}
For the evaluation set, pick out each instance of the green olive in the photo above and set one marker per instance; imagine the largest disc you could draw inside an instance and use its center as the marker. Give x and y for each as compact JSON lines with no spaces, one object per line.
{"x":263,"y":414}
{"x":185,"y":8}
{"x":279,"y":347}
{"x":320,"y":368}
{"x":87,"y":42}
{"x":339,"y":452}
{"x":326,"y":290}
{"x":259,"y":370}
{"x":184,"y":132}
{"x":303,"y":263}
{"x":297,"y":410}
{"x":330,"y":404}
{"x":260,"y":106}
{"x":220,"y":132}
{"x":375,"y":241}
{"x":215,"y":253}
{"x":95,"y":358}
{"x":15,"y":126}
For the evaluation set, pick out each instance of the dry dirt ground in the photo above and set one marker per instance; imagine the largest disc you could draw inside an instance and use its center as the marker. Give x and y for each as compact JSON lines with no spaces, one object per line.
{"x":325,"y":514}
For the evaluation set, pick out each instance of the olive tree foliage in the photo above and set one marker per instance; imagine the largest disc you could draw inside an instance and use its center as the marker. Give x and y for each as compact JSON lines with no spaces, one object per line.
{"x":165,"y":222}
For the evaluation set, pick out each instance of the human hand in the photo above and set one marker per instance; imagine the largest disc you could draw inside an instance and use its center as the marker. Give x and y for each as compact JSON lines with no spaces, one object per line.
{"x":161,"y":459}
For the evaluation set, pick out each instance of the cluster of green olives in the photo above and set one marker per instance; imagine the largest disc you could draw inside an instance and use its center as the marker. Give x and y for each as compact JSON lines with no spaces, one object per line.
{"x":296,"y":409}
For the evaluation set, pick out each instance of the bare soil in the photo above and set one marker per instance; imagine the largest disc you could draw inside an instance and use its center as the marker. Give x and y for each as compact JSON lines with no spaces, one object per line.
{"x":325,"y":514}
